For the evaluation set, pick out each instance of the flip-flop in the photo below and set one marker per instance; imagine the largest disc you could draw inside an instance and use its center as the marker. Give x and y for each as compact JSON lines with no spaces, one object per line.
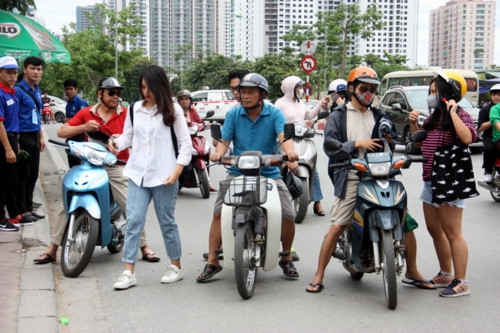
{"x":418,"y":283}
{"x":150,"y":257}
{"x":44,"y":259}
{"x":208,"y":272}
{"x":314,"y":285}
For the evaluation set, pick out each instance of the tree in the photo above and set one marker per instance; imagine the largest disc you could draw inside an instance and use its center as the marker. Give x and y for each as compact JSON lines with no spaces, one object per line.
{"x":93,"y":52}
{"x":275,"y":67}
{"x":341,"y":27}
{"x":21,"y":5}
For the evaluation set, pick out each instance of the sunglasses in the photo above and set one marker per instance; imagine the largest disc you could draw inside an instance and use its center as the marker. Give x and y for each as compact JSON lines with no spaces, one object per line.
{"x":372,"y":90}
{"x":111,"y":93}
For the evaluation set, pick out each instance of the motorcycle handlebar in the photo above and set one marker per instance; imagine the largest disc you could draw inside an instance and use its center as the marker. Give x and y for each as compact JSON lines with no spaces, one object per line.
{"x":59,"y":143}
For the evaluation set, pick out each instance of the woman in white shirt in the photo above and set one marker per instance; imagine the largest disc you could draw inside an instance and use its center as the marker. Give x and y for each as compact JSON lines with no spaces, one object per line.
{"x":156,"y":162}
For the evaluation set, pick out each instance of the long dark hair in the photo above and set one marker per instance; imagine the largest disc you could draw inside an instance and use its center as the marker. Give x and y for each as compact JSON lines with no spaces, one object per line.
{"x":440,"y":115}
{"x":157,"y":81}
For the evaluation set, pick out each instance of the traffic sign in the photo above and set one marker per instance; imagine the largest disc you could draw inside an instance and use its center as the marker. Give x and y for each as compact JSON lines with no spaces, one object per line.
{"x":308,"y":63}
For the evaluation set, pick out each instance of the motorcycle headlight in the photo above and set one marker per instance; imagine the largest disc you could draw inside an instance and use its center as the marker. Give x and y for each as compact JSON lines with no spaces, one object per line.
{"x":380,"y":169}
{"x":248,"y":162}
{"x":300,"y":131}
{"x":96,"y":157}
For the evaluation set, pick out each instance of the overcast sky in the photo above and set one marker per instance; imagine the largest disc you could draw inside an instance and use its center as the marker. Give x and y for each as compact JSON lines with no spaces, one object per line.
{"x":57,"y":13}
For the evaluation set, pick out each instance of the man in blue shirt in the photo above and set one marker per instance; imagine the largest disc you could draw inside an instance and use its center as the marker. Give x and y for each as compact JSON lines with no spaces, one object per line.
{"x":75,"y":104}
{"x":254,"y":125}
{"x":30,"y":133}
{"x":9,"y":131}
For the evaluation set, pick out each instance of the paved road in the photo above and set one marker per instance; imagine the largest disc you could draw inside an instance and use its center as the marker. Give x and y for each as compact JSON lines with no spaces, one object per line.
{"x":280,"y":305}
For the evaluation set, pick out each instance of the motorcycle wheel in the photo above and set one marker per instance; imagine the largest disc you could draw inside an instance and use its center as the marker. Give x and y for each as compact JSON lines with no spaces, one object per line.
{"x":76,"y":255}
{"x":301,"y":203}
{"x":116,"y":244}
{"x":495,"y":196}
{"x":388,"y":268}
{"x":357,"y":275}
{"x":204,"y":184}
{"x":244,"y":264}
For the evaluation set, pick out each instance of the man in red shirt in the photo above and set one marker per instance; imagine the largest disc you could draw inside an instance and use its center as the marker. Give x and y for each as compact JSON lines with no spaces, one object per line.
{"x":107,"y":116}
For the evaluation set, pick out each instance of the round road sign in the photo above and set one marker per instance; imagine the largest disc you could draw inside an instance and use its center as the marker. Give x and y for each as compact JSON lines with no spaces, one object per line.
{"x":308,"y":63}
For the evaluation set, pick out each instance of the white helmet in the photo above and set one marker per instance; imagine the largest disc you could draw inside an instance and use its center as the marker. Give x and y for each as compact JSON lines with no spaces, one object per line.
{"x":496,"y":87}
{"x":337,"y":85}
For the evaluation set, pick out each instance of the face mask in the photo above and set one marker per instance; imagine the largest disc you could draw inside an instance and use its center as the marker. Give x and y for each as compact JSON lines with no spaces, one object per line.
{"x":365,"y":99}
{"x":185,"y":107}
{"x":433,"y":101}
{"x":300,"y":93}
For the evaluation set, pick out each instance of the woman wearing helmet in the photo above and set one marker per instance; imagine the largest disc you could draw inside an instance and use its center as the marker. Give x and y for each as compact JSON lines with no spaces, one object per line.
{"x":484,"y":125}
{"x":296,"y":111}
{"x":446,"y":123}
{"x":186,"y":102}
{"x":337,"y":90}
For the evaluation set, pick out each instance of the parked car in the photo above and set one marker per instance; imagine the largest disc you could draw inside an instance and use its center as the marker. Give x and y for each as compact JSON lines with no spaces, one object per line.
{"x":58,"y":107}
{"x":220,"y":101}
{"x":399,"y":101}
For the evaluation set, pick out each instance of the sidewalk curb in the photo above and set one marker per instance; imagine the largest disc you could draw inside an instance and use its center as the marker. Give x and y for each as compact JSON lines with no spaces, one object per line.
{"x":38,"y":309}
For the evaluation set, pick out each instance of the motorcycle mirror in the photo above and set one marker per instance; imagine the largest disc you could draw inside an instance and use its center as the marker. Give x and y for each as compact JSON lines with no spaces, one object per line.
{"x":216,"y":132}
{"x":289,"y":131}
{"x":99,"y":137}
{"x":322,"y":115}
{"x":209,"y":114}
{"x":418,"y":136}
{"x":332,"y":144}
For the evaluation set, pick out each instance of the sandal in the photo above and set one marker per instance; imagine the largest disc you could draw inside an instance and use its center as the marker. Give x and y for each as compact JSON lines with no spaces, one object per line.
{"x":289,"y":269}
{"x":150,"y":257}
{"x":44,"y":259}
{"x":316,"y":209}
{"x":208,"y":272}
{"x":313,"y":286}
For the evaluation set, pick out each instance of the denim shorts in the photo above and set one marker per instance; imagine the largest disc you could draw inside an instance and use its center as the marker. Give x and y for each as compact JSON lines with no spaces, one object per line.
{"x":426,"y":196}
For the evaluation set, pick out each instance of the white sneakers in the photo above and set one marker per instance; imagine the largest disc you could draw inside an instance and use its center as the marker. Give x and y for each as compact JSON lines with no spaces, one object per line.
{"x":173,"y":274}
{"x":126,"y":280}
{"x":488,"y":178}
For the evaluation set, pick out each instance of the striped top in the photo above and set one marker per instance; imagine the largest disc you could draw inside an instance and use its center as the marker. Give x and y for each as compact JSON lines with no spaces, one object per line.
{"x":437,"y":138}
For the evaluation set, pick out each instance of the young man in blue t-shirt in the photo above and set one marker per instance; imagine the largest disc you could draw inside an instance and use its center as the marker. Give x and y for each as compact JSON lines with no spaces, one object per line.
{"x":75,"y":104}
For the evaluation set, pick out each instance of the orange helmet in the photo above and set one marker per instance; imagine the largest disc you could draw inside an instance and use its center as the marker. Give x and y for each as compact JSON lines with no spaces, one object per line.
{"x":456,"y":82}
{"x":363,"y":74}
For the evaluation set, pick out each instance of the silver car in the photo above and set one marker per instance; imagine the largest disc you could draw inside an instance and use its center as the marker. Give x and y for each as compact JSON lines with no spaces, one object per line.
{"x":399,"y":101}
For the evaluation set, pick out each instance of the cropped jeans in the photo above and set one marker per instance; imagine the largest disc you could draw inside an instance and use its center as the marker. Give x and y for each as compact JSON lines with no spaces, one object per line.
{"x":164,"y":199}
{"x":316,"y":195}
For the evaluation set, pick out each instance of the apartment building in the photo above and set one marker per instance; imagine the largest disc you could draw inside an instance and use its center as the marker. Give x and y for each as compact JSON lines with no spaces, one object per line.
{"x":461,"y":34}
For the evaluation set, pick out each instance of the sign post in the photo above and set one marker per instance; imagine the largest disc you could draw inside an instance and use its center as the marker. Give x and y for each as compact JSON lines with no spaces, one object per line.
{"x":308,"y":64}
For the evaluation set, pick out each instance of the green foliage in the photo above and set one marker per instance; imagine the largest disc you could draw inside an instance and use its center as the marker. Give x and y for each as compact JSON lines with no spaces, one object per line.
{"x":275,"y":67}
{"x":93,"y":53}
{"x":21,"y":5}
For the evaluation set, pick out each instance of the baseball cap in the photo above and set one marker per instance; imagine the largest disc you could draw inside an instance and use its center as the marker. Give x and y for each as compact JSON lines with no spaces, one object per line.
{"x":8,"y":63}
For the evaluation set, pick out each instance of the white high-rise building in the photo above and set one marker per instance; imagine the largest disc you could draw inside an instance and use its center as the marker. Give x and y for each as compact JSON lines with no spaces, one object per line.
{"x":462,"y":34}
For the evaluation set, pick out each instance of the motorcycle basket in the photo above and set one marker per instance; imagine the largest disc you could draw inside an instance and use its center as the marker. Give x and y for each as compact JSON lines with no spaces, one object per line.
{"x":244,"y":191}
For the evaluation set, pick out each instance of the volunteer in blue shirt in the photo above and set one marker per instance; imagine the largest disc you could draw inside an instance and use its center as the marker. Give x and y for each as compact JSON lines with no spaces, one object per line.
{"x":74,"y":104}
{"x":30,"y":133}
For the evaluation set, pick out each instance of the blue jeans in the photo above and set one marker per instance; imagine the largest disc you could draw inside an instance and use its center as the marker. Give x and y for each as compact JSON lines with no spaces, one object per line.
{"x":316,"y":195}
{"x":138,"y":199}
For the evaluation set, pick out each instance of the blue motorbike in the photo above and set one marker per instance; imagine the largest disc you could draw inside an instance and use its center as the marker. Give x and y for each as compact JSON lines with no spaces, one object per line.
{"x":372,"y":242}
{"x":89,"y":207}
